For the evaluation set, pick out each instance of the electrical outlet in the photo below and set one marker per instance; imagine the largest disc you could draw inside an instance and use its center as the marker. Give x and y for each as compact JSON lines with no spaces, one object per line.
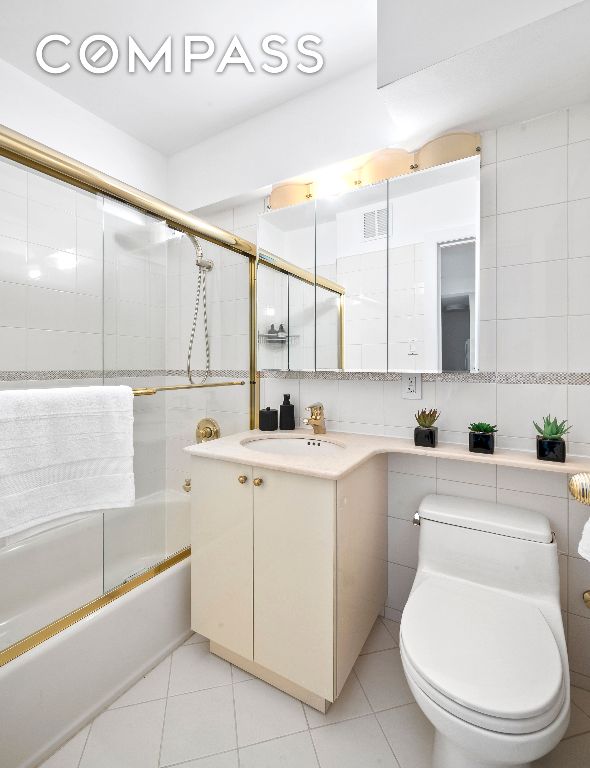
{"x":412,"y":386}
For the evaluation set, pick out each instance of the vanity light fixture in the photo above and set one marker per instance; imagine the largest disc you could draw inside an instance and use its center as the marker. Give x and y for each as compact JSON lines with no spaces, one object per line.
{"x":387,"y":163}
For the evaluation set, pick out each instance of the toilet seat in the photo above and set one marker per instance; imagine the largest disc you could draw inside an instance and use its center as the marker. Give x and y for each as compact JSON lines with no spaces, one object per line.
{"x":483,"y":655}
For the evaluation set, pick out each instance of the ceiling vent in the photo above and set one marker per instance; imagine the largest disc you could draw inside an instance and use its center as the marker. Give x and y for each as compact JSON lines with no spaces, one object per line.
{"x":375,"y":224}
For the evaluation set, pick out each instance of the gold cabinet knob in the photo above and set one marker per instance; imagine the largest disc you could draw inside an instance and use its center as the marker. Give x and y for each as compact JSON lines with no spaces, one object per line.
{"x":242,"y":479}
{"x":257,"y":481}
{"x":186,"y":486}
{"x":586,"y":598}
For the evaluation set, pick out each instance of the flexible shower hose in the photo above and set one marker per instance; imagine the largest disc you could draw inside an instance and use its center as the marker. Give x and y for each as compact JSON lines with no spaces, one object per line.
{"x":203,"y":267}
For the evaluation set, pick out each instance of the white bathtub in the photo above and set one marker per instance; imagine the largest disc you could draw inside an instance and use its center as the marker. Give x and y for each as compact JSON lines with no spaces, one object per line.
{"x":50,"y":692}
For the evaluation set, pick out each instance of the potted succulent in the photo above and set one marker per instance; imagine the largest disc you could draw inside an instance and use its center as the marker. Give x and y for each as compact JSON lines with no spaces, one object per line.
{"x":550,"y":442}
{"x":426,"y":434}
{"x":481,"y":437}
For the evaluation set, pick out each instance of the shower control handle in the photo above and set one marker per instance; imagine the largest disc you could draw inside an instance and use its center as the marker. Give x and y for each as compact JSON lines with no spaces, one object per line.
{"x":257,"y":481}
{"x":242,"y":479}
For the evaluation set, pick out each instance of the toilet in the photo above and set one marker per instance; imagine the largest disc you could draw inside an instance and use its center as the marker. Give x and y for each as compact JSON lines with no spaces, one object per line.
{"x":482,"y":641}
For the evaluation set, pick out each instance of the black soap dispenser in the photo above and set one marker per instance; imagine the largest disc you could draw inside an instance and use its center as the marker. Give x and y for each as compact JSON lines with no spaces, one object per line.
{"x":287,"y":418}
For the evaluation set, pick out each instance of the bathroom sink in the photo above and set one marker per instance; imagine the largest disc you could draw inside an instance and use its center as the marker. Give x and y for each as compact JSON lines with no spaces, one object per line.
{"x":293,"y":446}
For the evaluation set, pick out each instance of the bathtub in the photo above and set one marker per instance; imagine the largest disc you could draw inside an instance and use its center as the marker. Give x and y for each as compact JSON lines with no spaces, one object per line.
{"x":53,"y":690}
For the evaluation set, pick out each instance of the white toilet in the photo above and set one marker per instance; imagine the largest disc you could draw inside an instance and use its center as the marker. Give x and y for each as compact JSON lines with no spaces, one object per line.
{"x":482,"y":640}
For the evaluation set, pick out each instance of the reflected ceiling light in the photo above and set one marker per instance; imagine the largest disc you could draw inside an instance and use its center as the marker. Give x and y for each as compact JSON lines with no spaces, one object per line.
{"x":125,"y":212}
{"x":34,"y":274}
{"x":330,"y":184}
{"x":64,"y":260}
{"x":269,"y":312}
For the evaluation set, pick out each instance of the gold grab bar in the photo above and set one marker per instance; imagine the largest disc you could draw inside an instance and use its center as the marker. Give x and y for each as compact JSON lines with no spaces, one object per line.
{"x":141,"y":391}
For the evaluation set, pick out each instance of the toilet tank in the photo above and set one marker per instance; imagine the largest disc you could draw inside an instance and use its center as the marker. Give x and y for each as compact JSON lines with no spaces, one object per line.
{"x":491,"y":544}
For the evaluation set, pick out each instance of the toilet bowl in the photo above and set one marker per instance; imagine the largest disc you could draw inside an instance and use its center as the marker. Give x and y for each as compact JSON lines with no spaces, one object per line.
{"x":481,"y":640}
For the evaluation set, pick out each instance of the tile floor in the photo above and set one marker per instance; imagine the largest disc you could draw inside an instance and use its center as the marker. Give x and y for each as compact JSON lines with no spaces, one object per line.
{"x":195,"y":710}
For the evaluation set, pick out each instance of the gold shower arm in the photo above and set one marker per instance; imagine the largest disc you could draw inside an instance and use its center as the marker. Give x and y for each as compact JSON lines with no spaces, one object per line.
{"x":141,"y":391}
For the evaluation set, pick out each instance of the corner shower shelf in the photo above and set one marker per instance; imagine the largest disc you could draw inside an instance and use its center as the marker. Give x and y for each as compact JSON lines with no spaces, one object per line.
{"x":270,"y":338}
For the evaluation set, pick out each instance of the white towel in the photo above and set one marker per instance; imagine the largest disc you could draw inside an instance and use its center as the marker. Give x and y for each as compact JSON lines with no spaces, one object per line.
{"x":584,"y":545}
{"x":64,"y":451}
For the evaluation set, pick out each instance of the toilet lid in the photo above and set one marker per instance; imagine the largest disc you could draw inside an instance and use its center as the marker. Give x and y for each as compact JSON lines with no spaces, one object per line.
{"x":487,"y":651}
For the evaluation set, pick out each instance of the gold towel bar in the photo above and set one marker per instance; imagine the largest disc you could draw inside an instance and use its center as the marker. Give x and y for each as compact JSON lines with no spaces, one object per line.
{"x":153,"y":390}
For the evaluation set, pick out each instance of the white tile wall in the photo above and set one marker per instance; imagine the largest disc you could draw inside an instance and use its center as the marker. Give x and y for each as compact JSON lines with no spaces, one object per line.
{"x":532,"y":180}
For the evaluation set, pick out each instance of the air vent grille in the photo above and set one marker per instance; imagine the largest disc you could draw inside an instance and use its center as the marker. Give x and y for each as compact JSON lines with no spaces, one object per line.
{"x":375,"y":224}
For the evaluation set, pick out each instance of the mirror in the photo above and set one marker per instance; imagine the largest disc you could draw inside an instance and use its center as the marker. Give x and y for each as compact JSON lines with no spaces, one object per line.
{"x":432,"y":211}
{"x":286,"y":289}
{"x":380,"y":278}
{"x":351,"y":250}
{"x":456,"y":269}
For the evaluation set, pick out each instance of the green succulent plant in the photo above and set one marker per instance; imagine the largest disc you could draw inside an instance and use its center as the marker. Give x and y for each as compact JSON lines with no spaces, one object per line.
{"x":552,"y":429}
{"x":483,"y":426}
{"x":427,"y":418}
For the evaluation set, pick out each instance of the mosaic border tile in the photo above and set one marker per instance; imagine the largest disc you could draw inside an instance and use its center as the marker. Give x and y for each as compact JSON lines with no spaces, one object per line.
{"x":481,"y":377}
{"x":114,"y":374}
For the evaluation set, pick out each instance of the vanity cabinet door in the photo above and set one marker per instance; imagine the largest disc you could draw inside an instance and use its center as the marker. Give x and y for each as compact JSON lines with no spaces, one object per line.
{"x":222,"y":548}
{"x":294,"y":563}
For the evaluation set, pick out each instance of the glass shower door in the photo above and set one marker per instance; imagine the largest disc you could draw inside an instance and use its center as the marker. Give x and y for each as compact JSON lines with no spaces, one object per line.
{"x":135,"y":254}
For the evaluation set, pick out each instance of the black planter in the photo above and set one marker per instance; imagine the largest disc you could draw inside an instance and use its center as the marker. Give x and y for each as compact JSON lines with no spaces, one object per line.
{"x":426,"y":437}
{"x":550,"y":449}
{"x":481,"y":442}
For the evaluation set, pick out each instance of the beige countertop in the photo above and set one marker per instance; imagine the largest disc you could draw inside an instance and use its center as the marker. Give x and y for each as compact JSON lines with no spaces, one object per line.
{"x":359,"y":448}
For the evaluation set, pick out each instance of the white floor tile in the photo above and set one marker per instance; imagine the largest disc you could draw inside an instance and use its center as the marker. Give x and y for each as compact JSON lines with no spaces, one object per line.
{"x":69,"y":755}
{"x":571,"y":753}
{"x":579,"y":722}
{"x":194,"y":669}
{"x":224,"y":760}
{"x":393,"y":629}
{"x":152,"y":686}
{"x":197,"y":725}
{"x":410,"y":735}
{"x":196,"y":638}
{"x":379,"y":639}
{"x":352,"y":702}
{"x":263,"y":712}
{"x":353,"y":744}
{"x":240,"y":675}
{"x":128,"y":737}
{"x":295,"y":751}
{"x":582,"y":699}
{"x":383,"y":680}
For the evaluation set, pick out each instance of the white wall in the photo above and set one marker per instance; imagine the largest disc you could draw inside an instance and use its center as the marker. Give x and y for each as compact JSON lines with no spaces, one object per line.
{"x":341,"y":120}
{"x":39,"y":112}
{"x":445,"y":29}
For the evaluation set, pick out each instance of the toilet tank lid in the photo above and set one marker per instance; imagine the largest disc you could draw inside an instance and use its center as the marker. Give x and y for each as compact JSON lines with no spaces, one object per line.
{"x":486,"y":516}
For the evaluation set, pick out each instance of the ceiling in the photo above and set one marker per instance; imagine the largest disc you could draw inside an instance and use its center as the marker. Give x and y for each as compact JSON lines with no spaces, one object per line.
{"x":171,"y":112}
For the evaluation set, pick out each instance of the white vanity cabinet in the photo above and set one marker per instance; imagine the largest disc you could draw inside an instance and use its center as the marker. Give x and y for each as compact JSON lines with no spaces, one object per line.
{"x":289,"y":571}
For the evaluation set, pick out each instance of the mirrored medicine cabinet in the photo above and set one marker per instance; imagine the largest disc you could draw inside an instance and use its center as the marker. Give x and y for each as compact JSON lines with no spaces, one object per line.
{"x":380,"y":278}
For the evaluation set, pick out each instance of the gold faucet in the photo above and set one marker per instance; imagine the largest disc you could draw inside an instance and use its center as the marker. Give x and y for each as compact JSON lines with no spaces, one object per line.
{"x":317,"y":419}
